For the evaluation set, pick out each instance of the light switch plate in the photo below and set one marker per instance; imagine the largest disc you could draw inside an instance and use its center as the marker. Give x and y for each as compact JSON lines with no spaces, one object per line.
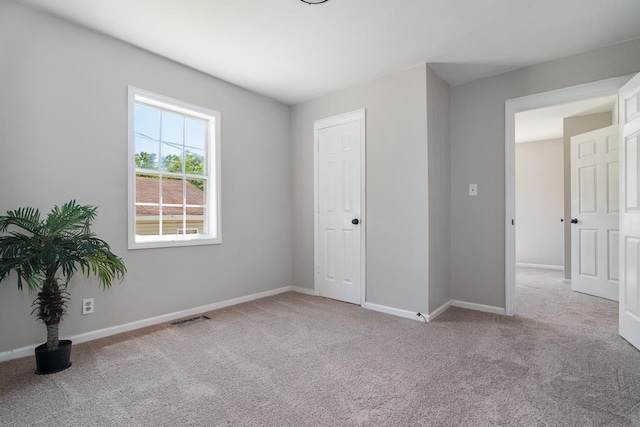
{"x":473,"y":189}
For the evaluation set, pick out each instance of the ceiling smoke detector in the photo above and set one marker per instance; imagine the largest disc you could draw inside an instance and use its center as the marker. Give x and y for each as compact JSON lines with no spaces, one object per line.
{"x":314,"y":1}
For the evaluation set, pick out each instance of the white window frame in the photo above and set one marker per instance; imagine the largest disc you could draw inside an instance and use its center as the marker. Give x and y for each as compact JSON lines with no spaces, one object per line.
{"x":213,"y":189}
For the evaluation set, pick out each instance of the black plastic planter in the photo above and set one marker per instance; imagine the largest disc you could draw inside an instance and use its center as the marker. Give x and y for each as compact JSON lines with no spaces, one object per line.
{"x":51,"y":361}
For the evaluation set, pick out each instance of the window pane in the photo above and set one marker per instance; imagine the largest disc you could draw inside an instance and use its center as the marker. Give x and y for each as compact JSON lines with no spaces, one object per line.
{"x":147,"y":189}
{"x":147,"y":153}
{"x":173,"y":197}
{"x":147,"y":217}
{"x":196,"y":193}
{"x":147,"y":220}
{"x":196,"y":222}
{"x":172,"y":220}
{"x":195,"y":132}
{"x":194,"y":161}
{"x":147,"y":121}
{"x":171,"y":157}
{"x":172,"y":127}
{"x":172,"y":193}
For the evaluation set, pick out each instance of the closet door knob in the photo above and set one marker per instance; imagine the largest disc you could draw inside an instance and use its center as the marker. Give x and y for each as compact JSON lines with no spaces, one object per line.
{"x":574,"y":220}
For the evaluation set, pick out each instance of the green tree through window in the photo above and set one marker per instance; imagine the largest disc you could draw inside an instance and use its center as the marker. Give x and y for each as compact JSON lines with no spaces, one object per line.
{"x":194,"y":164}
{"x":146,"y":160}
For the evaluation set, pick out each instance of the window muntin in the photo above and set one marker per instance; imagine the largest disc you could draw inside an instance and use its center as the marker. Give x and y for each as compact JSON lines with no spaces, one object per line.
{"x":174,"y":172}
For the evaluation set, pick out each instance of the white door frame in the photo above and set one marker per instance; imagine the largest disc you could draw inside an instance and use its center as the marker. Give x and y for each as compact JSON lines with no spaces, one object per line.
{"x":353,"y":116}
{"x":567,"y":95}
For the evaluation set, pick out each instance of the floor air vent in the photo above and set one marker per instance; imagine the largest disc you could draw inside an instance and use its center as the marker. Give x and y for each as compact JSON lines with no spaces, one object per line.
{"x":187,"y":322}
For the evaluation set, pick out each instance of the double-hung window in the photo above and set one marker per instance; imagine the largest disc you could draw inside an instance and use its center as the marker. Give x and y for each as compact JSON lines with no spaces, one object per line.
{"x":174,"y":172}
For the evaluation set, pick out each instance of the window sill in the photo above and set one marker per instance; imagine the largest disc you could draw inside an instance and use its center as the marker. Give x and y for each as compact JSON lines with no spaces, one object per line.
{"x":152,"y":242}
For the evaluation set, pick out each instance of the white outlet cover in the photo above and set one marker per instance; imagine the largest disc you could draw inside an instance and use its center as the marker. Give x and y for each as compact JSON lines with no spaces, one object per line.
{"x":87,"y":306}
{"x":473,"y":189}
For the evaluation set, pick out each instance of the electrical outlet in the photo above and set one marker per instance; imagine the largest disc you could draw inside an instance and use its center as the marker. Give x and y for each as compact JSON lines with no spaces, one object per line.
{"x":87,"y":306}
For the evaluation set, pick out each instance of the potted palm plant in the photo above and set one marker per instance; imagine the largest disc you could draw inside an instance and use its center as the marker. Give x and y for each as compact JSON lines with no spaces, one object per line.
{"x":39,"y":251}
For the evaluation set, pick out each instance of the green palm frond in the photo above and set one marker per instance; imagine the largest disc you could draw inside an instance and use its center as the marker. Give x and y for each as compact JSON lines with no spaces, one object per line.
{"x":70,"y":219}
{"x":26,"y":218}
{"x":17,"y":253}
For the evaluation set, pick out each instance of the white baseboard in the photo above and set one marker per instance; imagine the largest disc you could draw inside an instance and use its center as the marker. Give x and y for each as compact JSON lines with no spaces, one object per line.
{"x":438,"y":311}
{"x":18,"y":353}
{"x":567,"y":281}
{"x":479,"y":307}
{"x":546,"y":267}
{"x":394,"y":311}
{"x":302,"y":290}
{"x":118,"y":329}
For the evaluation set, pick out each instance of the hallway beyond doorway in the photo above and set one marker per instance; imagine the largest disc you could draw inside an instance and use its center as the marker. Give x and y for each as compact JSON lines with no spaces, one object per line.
{"x":542,"y":296}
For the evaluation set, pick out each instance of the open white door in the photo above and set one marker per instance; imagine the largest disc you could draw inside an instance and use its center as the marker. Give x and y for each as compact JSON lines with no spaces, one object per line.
{"x":595,"y":171}
{"x":629,"y":102}
{"x":339,"y":207}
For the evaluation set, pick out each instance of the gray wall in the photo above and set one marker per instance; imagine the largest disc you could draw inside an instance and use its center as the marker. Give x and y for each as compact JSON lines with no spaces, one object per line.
{"x":439,"y":154}
{"x":63,"y":133}
{"x":575,"y":126}
{"x":540,"y":202}
{"x":477,"y":156}
{"x":396,"y":185}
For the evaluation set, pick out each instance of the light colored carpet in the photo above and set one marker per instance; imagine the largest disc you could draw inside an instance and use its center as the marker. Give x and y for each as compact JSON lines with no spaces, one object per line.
{"x":295,"y":360}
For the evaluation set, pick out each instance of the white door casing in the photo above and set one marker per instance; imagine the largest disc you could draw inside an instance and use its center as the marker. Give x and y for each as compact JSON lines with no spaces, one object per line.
{"x":629,"y":104}
{"x":339,"y":207}
{"x":595,"y":171}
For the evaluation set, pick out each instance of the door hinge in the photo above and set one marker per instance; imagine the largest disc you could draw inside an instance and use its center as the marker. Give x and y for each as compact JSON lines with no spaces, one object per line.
{"x":513,"y":222}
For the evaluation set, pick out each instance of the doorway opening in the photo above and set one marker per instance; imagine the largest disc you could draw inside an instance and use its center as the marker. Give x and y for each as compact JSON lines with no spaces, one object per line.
{"x":555,"y":150}
{"x":600,"y":89}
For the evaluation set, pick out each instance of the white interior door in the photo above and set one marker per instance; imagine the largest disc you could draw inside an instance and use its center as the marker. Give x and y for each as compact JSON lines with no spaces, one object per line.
{"x":629,"y":104}
{"x":595,"y":172}
{"x":339,"y":232}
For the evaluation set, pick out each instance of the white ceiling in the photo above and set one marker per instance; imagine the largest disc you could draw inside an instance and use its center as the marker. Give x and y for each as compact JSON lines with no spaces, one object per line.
{"x":547,"y":123}
{"x":291,"y":51}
